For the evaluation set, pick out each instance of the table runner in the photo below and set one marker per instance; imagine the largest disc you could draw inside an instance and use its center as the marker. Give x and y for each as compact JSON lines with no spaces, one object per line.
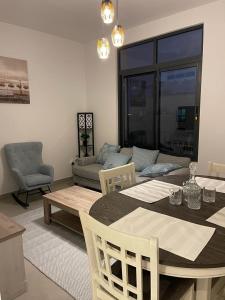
{"x":150,"y":191}
{"x":180,"y":237}
{"x":219,"y":185}
{"x":218,"y":218}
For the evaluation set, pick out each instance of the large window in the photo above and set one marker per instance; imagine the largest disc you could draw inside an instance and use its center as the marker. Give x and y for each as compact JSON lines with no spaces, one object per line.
{"x":159,"y":92}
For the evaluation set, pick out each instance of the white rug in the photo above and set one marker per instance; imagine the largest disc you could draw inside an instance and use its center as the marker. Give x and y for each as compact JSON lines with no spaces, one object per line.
{"x":57,"y":252}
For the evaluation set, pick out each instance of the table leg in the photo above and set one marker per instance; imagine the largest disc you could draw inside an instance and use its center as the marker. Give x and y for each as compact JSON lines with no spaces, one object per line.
{"x":47,"y":211}
{"x":203,"y":289}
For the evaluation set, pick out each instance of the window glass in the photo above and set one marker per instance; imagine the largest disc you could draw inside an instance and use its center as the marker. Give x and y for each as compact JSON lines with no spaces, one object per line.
{"x":180,"y":46}
{"x":136,"y":56}
{"x":140,"y":110}
{"x":177,"y":110}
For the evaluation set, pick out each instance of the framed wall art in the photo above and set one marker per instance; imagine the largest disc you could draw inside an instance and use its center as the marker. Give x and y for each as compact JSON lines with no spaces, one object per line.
{"x":14,"y":85}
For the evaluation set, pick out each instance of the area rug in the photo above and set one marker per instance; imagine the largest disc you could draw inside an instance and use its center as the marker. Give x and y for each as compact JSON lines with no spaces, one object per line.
{"x":57,"y":252}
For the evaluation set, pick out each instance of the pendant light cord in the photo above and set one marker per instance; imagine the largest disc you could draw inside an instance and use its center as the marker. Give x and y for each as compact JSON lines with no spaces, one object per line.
{"x":117,"y":12}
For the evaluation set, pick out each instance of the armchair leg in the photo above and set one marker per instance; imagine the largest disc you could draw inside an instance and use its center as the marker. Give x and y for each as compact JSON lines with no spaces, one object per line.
{"x":20,"y":202}
{"x":43,"y":192}
{"x":49,"y":188}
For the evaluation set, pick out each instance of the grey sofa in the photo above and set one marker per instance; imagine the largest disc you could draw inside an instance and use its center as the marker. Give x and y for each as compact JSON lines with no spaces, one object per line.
{"x":85,"y":170}
{"x":25,"y":162}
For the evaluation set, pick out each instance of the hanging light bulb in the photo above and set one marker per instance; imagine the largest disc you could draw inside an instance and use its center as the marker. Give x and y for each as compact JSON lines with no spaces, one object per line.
{"x":103,"y":48}
{"x":107,"y":11}
{"x":118,"y":36}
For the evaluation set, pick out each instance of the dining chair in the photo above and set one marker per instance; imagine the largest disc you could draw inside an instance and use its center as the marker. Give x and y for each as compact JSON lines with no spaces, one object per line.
{"x":116,"y":266}
{"x":216,"y":169}
{"x":119,"y":177}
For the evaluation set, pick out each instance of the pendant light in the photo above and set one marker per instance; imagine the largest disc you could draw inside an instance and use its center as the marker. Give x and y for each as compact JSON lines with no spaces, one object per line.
{"x":118,"y":34}
{"x":103,"y":48}
{"x":107,"y":11}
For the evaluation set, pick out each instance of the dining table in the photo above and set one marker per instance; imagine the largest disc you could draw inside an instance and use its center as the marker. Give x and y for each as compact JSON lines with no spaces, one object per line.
{"x":209,"y":264}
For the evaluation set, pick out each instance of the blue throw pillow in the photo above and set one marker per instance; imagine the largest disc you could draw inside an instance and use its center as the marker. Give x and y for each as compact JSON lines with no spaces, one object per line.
{"x":159,"y":169}
{"x":143,"y":158}
{"x":116,"y":160}
{"x":105,"y":151}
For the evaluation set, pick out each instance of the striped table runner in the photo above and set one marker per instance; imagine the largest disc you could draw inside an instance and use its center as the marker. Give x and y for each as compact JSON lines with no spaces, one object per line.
{"x":150,"y":191}
{"x":180,"y":237}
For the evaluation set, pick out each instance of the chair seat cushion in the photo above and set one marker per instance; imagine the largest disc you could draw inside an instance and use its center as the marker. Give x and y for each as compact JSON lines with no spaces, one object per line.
{"x":89,"y":171}
{"x":37,"y":179}
{"x":170,"y":288}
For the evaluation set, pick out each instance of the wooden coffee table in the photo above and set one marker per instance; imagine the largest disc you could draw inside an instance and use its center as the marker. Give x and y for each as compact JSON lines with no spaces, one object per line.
{"x":71,"y":200}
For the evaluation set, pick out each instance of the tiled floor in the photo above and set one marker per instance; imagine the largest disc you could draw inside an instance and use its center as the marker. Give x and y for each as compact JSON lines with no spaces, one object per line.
{"x":39,"y":286}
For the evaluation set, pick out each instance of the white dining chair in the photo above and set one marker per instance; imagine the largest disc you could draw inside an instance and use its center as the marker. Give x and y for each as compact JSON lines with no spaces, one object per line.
{"x":116,"y":266}
{"x":119,"y":177}
{"x":216,"y":169}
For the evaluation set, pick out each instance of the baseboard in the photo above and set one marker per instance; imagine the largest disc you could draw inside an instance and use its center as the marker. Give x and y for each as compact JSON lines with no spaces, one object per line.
{"x":63,"y":180}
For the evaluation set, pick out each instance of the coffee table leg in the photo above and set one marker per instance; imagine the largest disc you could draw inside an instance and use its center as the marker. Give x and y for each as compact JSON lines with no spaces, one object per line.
{"x":203,"y":290}
{"x":47,"y":211}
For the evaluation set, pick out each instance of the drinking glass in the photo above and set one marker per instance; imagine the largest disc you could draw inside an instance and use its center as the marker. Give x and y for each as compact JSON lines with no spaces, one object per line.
{"x":175,"y":196}
{"x":209,"y":194}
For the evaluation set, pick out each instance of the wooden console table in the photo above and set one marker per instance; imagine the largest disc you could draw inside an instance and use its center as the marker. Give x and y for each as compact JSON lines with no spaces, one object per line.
{"x":12,"y":270}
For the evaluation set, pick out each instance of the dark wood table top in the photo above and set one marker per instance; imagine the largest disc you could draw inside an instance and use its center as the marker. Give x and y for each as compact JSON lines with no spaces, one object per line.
{"x":114,"y":206}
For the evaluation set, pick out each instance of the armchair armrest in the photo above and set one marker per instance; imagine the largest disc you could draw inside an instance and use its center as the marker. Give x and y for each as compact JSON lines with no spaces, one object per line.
{"x":47,"y":170}
{"x":19,"y":178}
{"x":84,"y":161}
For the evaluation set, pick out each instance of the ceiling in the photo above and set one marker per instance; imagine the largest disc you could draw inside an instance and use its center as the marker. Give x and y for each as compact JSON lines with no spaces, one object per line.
{"x":79,"y":20}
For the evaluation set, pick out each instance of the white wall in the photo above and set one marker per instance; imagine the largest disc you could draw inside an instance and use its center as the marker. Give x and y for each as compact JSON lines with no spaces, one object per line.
{"x":57,"y":90}
{"x":102,"y":79}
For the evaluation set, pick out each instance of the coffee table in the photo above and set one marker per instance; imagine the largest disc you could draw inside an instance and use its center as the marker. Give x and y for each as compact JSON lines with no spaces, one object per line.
{"x":71,"y":200}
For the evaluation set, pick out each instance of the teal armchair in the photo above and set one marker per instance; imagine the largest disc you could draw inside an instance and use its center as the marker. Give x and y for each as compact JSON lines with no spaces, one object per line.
{"x":30,"y":173}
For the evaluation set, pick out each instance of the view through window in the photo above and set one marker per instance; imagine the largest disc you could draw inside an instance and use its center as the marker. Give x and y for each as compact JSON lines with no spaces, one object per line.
{"x":159,"y":92}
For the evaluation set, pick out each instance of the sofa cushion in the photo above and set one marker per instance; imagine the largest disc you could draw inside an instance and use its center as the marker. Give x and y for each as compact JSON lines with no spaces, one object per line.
{"x":37,"y":179}
{"x":89,"y":171}
{"x":116,"y":160}
{"x":182,"y":161}
{"x":143,"y":158}
{"x":105,"y":151}
{"x":127,"y":151}
{"x":159,"y":169}
{"x":84,"y":161}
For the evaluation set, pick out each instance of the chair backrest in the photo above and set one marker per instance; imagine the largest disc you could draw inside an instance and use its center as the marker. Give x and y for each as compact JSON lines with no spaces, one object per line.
{"x":119,"y":177}
{"x":26,"y":157}
{"x":216,"y":169}
{"x":105,"y":246}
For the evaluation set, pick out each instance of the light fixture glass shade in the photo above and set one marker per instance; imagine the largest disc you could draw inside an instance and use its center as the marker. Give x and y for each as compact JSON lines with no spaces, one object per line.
{"x":107,"y":11}
{"x":103,"y":48}
{"x":118,"y":36}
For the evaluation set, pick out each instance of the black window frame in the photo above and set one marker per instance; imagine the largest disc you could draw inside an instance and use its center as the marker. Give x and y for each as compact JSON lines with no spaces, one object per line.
{"x":157,"y":68}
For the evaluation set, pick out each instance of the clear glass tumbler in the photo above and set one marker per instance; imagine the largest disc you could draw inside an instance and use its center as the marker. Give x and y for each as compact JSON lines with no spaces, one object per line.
{"x":175,"y":196}
{"x":209,"y":194}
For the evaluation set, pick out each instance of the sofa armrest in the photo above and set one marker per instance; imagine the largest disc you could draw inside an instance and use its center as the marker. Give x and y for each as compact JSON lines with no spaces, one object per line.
{"x":182,"y":171}
{"x":47,"y":170}
{"x":19,"y":178}
{"x":85,"y":161}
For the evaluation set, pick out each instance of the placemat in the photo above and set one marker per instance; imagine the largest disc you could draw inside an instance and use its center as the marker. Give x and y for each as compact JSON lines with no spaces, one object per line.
{"x":180,"y":237}
{"x":150,"y":191}
{"x":219,"y":185}
{"x":218,"y":218}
